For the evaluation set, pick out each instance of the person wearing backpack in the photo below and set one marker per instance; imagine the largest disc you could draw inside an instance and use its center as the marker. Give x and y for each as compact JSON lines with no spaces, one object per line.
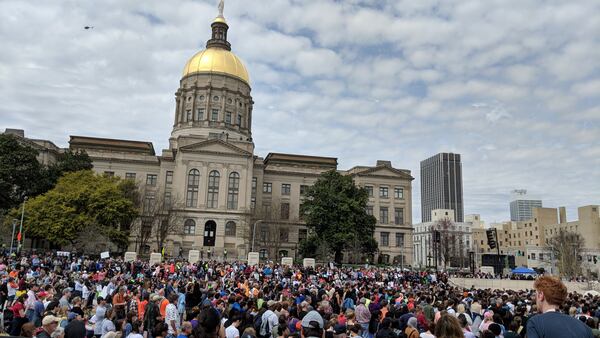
{"x":268,"y":321}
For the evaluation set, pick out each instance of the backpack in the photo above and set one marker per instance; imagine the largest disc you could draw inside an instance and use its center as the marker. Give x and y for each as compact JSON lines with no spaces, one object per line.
{"x":257,"y":324}
{"x":264,"y":331}
{"x":348,"y":304}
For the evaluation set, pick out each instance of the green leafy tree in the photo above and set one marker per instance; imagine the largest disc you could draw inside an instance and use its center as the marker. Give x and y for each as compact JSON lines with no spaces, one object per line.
{"x":20,"y":172}
{"x":309,"y":247}
{"x":80,"y":201}
{"x":22,"y":175}
{"x":334,"y":209}
{"x":66,"y":162}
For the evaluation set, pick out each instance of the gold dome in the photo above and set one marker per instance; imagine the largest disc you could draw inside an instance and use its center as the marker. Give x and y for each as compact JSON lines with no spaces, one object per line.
{"x":216,"y":60}
{"x":220,"y":19}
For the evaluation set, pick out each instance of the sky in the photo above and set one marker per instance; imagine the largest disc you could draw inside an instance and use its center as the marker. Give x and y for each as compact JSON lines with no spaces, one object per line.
{"x":511,"y":85}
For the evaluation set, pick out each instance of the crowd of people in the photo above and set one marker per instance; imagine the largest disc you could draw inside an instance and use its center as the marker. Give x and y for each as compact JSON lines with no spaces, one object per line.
{"x":50,"y":296}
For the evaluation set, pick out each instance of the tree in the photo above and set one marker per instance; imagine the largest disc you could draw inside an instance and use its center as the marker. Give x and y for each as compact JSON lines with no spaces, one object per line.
{"x":334,"y":208}
{"x":22,"y":175}
{"x":19,"y":172}
{"x":80,"y":201}
{"x":66,"y":162}
{"x":447,"y":248}
{"x":565,"y":247}
{"x":159,"y":217}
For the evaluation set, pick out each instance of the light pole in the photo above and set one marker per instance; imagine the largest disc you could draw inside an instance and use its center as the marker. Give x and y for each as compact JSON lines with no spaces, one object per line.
{"x":21,"y":226}
{"x":254,"y":233}
{"x":12,"y":238}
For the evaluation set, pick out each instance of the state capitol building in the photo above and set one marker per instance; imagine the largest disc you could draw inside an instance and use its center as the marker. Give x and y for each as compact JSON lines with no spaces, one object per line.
{"x":220,"y":190}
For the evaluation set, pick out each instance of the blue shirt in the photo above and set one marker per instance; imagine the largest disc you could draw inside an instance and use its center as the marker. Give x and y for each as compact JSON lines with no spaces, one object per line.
{"x":557,"y":325}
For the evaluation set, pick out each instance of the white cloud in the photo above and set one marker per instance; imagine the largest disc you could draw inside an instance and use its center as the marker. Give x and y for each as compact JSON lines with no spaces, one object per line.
{"x":512,"y":85}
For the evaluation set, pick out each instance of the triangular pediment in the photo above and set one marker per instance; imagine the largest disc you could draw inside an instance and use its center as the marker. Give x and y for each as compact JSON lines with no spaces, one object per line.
{"x":385,"y":171}
{"x":215,"y":147}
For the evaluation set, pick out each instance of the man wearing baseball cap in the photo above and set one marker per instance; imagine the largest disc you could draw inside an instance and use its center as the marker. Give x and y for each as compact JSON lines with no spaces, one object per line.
{"x":312,"y":325}
{"x":49,"y":325}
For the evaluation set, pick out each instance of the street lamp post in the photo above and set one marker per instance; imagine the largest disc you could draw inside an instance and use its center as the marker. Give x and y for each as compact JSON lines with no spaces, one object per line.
{"x":254,"y":232}
{"x":21,"y":226}
{"x":12,"y":238}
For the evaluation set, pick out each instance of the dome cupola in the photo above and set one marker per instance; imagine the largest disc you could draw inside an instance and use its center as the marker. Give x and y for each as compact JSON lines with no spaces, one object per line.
{"x":213,"y":99}
{"x":217,"y":57}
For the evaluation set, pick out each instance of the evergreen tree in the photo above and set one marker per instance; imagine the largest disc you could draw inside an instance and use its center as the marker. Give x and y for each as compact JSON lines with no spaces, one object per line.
{"x":334,"y":209}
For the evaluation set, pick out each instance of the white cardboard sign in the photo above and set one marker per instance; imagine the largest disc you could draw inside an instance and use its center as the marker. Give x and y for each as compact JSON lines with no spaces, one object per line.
{"x":130,"y":256}
{"x":193,"y":256}
{"x":253,"y":258}
{"x":309,"y":262}
{"x":155,"y":258}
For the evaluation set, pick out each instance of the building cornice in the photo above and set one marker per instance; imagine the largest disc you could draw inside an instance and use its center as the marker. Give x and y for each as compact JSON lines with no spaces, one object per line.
{"x":120,"y":160}
{"x":289,"y":173}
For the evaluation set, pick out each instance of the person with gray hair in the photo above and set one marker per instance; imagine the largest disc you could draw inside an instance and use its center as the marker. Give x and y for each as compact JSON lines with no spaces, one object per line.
{"x":411,"y":330}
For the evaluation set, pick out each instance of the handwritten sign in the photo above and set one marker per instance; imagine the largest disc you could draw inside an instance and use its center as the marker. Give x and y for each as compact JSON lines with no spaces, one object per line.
{"x":130,"y":256}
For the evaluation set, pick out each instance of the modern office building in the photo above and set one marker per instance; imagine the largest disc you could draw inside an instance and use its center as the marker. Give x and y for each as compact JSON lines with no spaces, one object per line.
{"x":441,"y":185}
{"x":521,"y":205}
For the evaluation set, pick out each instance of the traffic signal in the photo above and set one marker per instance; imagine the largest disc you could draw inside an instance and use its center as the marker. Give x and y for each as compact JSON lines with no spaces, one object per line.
{"x":491,"y":240}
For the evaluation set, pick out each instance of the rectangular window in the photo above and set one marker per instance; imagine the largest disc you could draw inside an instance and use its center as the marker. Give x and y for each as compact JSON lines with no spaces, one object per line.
{"x":283,"y":235}
{"x":169,"y":177}
{"x":399,"y":239}
{"x":253,"y":193}
{"x":383,"y":215}
{"x":267,"y":187}
{"x":130,"y":176}
{"x":398,"y":193}
{"x":168,"y":199}
{"x":200,"y":114}
{"x":109,"y":173}
{"x":266,"y":211}
{"x":302,"y":235}
{"x":303,"y":189}
{"x":398,"y":216}
{"x":541,"y":256}
{"x":228,"y":118}
{"x":188,"y":115}
{"x":264,"y":233}
{"x":239,"y":120}
{"x":533,"y":255}
{"x":151,"y":179}
{"x":286,"y":188}
{"x":385,"y":239}
{"x":383,"y":192}
{"x":369,"y":190}
{"x":369,"y":210}
{"x":214,"y":115}
{"x":148,"y":202}
{"x":285,"y":211}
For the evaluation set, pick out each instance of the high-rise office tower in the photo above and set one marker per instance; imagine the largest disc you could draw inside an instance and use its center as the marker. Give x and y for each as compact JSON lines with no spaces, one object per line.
{"x":441,"y":185}
{"x":521,"y":205}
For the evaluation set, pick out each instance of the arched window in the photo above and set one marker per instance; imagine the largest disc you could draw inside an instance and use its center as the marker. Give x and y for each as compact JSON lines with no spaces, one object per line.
{"x":191,"y":199}
{"x":230,"y":229}
{"x":213,"y":189}
{"x":234,"y":188}
{"x":189,"y":227}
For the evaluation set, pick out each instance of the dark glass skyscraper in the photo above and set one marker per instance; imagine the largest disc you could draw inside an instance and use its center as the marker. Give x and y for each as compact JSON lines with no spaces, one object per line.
{"x":441,"y":185}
